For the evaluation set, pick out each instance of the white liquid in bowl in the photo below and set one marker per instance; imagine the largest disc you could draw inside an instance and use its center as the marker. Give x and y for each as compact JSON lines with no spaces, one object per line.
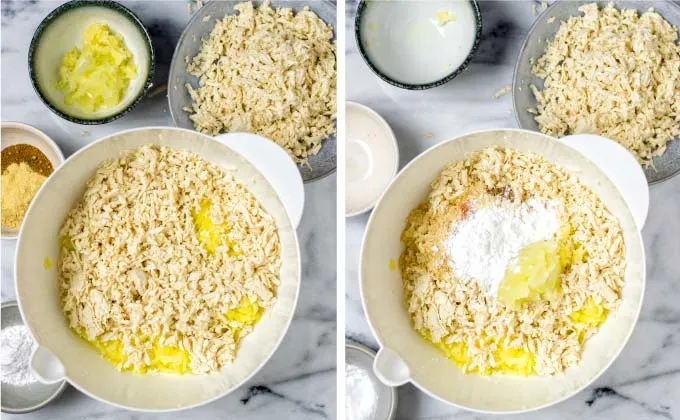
{"x":409,"y":43}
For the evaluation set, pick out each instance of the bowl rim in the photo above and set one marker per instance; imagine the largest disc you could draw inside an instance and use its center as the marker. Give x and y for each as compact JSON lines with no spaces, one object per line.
{"x":565,"y":397}
{"x":11,"y":234}
{"x":176,"y":60}
{"x":259,"y":367}
{"x":395,"y":147}
{"x":56,"y":14}
{"x":418,"y":86}
{"x":542,"y":20}
{"x":57,"y":392}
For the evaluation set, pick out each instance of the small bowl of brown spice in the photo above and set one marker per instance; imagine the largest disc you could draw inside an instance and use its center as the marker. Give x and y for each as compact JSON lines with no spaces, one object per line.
{"x":29,"y":156}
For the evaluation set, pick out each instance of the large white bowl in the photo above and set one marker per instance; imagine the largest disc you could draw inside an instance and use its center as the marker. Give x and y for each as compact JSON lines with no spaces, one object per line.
{"x":406,"y":357}
{"x":62,"y":354}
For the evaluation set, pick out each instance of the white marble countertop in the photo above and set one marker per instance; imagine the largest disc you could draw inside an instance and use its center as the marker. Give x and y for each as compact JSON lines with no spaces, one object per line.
{"x":644,"y":382}
{"x":299,"y":382}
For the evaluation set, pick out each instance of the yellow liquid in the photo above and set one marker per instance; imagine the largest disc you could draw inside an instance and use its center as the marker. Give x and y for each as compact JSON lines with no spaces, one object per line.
{"x":166,"y":359}
{"x":535,"y":273}
{"x":98,"y":75}
{"x":590,"y":315}
{"x":210,"y":234}
{"x":509,"y":361}
{"x":171,"y":359}
{"x":246,"y":314}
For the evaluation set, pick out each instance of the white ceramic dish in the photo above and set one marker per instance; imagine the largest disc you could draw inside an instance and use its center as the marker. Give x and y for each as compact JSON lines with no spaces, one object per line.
{"x":63,"y":355}
{"x":62,"y":30}
{"x":372,"y":158}
{"x":406,"y":357}
{"x":19,"y":133}
{"x":276,"y":165}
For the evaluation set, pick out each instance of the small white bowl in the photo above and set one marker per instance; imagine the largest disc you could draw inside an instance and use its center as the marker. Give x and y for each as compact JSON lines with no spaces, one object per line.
{"x":19,"y":133}
{"x":371,"y":158}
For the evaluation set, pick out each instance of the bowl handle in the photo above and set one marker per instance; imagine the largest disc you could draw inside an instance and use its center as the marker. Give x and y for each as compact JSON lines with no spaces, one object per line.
{"x":46,"y":366}
{"x":620,"y":166}
{"x":390,"y":368}
{"x":274,"y":163}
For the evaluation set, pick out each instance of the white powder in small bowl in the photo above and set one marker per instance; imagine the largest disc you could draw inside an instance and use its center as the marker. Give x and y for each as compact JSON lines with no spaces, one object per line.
{"x":361,"y":396}
{"x":17,"y":345}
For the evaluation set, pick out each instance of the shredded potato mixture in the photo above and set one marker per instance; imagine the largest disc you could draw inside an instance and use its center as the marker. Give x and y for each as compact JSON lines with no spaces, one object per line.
{"x":612,"y":73}
{"x":270,"y":72}
{"x":479,"y":332}
{"x":167,"y":262}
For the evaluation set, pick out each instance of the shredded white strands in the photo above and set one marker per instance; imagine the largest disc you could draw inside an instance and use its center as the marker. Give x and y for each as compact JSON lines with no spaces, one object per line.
{"x":267,"y":71}
{"x":613,"y":73}
{"x":446,"y":307}
{"x":501,"y":92}
{"x":482,"y":245}
{"x":134,"y":266}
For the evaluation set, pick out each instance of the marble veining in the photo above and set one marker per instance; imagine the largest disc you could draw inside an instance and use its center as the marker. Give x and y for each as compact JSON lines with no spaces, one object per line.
{"x":644,"y":381}
{"x":299,"y":382}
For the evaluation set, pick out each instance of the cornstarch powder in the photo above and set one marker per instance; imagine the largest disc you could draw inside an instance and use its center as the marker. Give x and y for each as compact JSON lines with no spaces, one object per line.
{"x":481,"y":246}
{"x":361,"y":396}
{"x":16,"y":344}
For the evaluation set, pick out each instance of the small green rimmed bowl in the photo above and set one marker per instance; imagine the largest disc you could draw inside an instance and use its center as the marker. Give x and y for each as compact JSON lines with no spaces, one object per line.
{"x":63,"y":29}
{"x":392,"y":38}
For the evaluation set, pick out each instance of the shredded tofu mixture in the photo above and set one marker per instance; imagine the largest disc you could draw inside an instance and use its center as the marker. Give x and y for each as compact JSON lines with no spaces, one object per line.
{"x":271,"y":72}
{"x":167,"y":262}
{"x":613,"y":73}
{"x":476,"y":330}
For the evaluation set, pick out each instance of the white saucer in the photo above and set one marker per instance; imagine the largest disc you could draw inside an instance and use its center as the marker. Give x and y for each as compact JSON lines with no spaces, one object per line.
{"x":371,"y":158}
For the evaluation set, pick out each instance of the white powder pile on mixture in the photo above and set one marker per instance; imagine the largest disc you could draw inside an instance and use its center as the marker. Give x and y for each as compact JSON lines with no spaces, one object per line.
{"x":481,"y":246}
{"x":360,"y":400}
{"x":16,"y":344}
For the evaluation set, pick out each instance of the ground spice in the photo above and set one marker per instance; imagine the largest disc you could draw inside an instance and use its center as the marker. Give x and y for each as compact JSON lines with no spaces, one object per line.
{"x":26,"y":153}
{"x":19,"y":184}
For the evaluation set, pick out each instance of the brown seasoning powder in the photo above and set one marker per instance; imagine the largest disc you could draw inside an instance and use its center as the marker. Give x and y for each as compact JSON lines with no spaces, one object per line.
{"x":26,"y":153}
{"x":24,"y":169}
